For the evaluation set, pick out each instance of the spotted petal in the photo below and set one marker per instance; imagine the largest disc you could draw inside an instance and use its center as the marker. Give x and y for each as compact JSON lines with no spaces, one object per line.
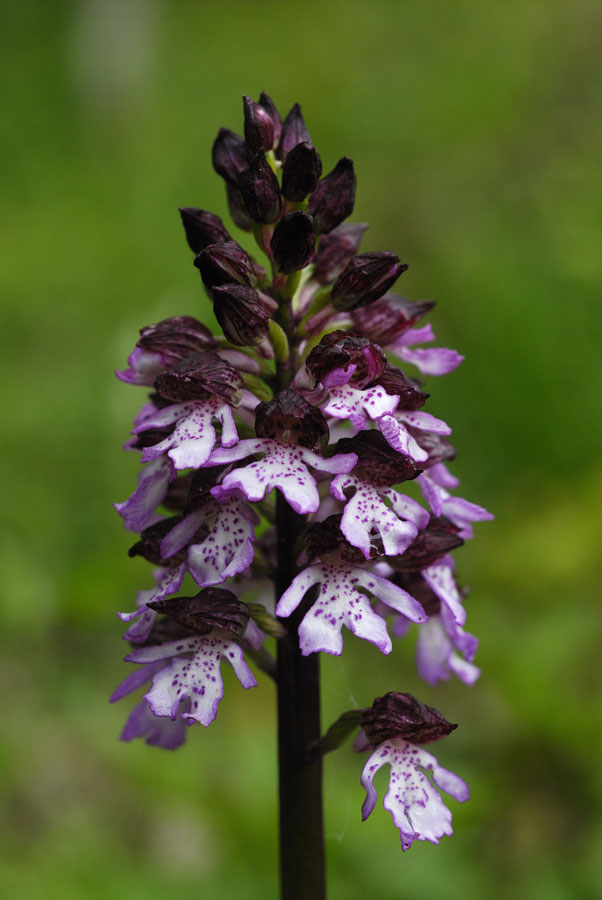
{"x":193,"y":439}
{"x":198,"y":678}
{"x":340,"y":602}
{"x":414,"y":803}
{"x":284,"y":466}
{"x":366,"y":511}
{"x":346,"y":402}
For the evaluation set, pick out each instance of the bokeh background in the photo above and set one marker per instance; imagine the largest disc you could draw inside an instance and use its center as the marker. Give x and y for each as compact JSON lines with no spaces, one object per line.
{"x":475,"y":130}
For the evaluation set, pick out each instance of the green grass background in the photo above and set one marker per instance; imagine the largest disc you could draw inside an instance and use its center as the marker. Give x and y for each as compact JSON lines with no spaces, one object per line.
{"x":475,"y":131}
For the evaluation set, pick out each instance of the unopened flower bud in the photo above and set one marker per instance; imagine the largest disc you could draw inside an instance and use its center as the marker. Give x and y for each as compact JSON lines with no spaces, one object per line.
{"x":294,"y":131}
{"x":301,"y":172}
{"x":236,"y":206}
{"x":270,"y":107}
{"x":342,"y":358}
{"x":438,"y":538}
{"x":211,"y":608}
{"x":175,"y":338}
{"x":334,"y":198}
{"x":335,"y":250}
{"x":411,"y":396}
{"x":199,"y":376}
{"x":261,"y":191}
{"x":225,"y":263}
{"x":366,"y":278}
{"x":230,"y":155}
{"x":242,"y":316}
{"x":293,"y":242}
{"x":389,"y":317}
{"x":402,"y":716}
{"x":259,"y":127}
{"x":377,"y":461}
{"x":290,"y":419}
{"x":202,"y":228}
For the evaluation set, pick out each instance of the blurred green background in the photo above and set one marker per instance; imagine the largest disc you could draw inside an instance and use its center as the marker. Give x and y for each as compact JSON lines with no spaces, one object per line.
{"x":475,"y":130}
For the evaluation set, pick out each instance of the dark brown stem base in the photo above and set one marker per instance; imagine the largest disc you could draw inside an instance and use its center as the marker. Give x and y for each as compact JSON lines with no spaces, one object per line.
{"x":302,"y":858}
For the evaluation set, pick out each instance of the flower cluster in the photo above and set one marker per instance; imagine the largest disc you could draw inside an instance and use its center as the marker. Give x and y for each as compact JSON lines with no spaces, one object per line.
{"x":298,"y":398}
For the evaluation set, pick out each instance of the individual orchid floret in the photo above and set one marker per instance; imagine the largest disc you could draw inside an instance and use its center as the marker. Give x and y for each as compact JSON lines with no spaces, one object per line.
{"x":293,"y":242}
{"x":202,"y":228}
{"x":342,"y":601}
{"x":334,"y":197}
{"x":371,"y":503}
{"x":414,"y":803}
{"x":219,"y":621}
{"x":366,"y":278}
{"x":289,"y":430}
{"x":161,"y":346}
{"x":300,"y":172}
{"x":270,"y":107}
{"x":443,"y":648}
{"x":390,"y":322}
{"x":226,"y":548}
{"x":459,"y":511}
{"x":203,"y":388}
{"x":342,"y":358}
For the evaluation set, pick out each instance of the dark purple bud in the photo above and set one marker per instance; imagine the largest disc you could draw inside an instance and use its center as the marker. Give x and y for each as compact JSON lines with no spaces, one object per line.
{"x":388,"y":318}
{"x":259,"y":127}
{"x":201,"y":376}
{"x":326,"y":537}
{"x":293,"y":242}
{"x":175,"y":338}
{"x":438,"y":538}
{"x":261,"y":191}
{"x":395,"y":383}
{"x":366,"y":278}
{"x":438,"y":448}
{"x":294,"y":132}
{"x":211,"y":608}
{"x":202,"y":228}
{"x":403,"y":716}
{"x":230,"y":155}
{"x":330,"y":362}
{"x":225,"y":263}
{"x":377,"y":461}
{"x":149,"y":545}
{"x":290,"y":419}
{"x":334,"y":198}
{"x":301,"y":172}
{"x":241,"y":314}
{"x":336,"y":250}
{"x":237,"y":208}
{"x":270,"y":107}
